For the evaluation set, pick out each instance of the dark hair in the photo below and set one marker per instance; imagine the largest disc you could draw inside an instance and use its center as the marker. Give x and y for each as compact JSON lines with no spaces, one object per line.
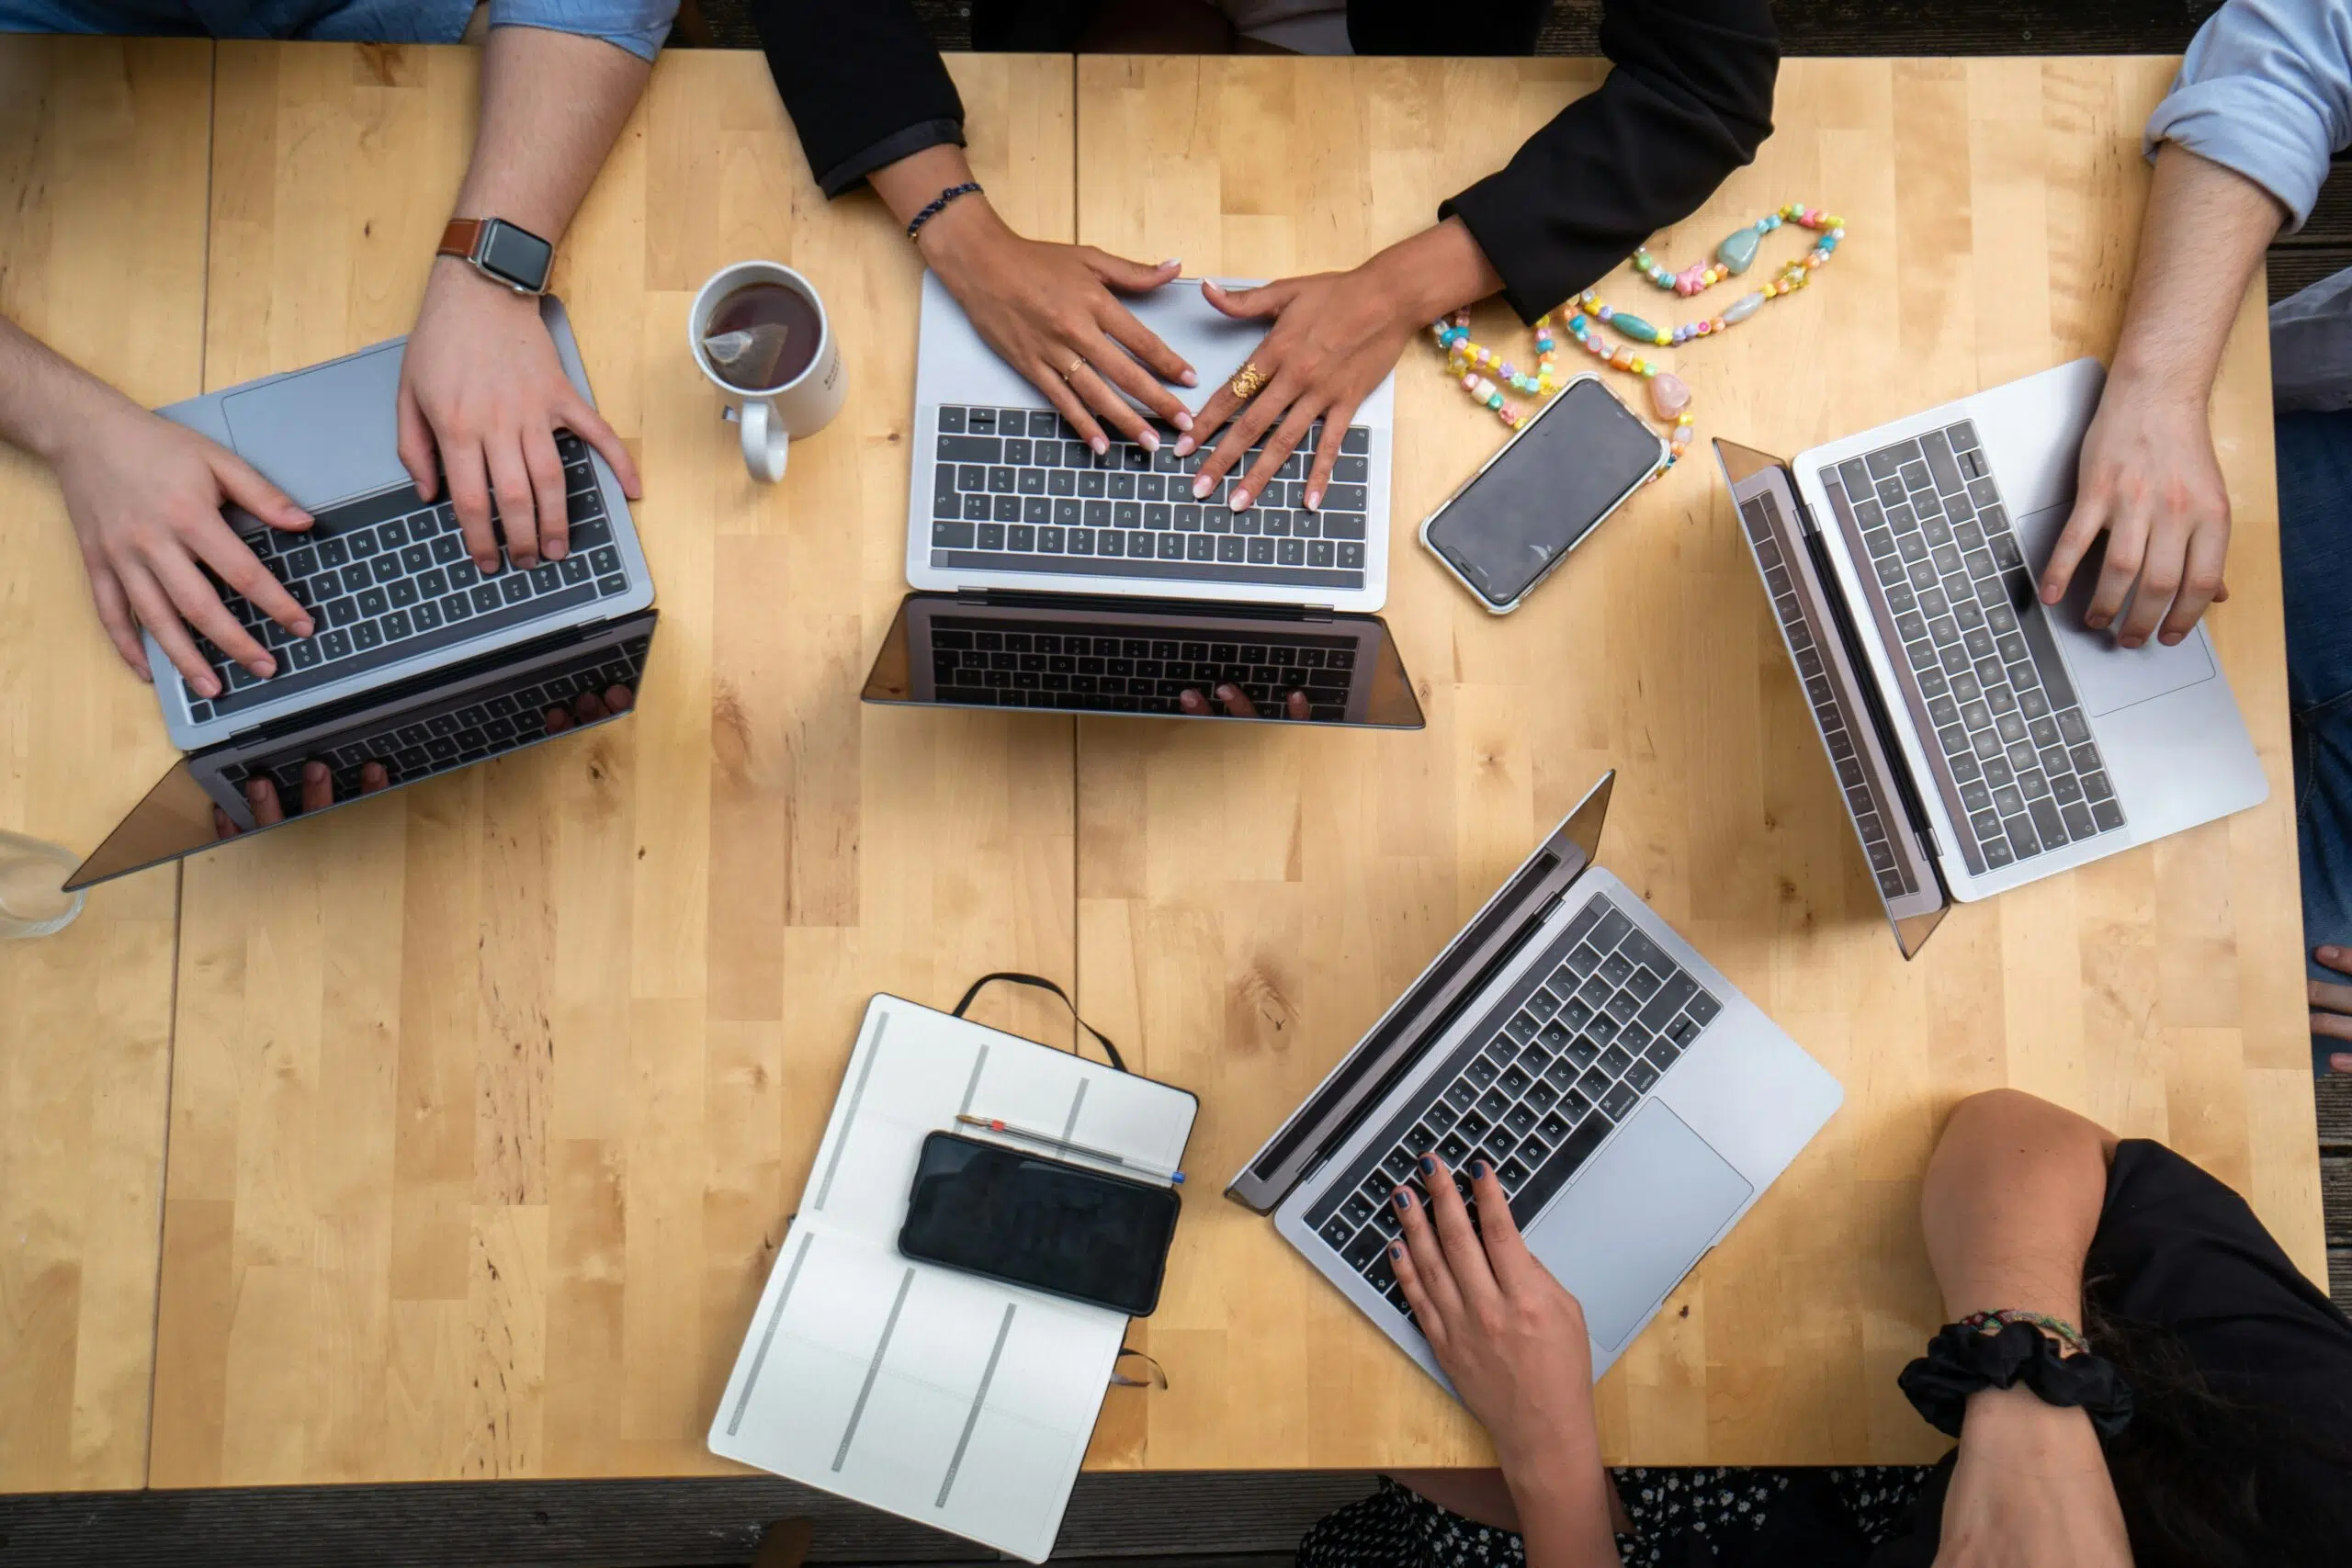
{"x":2208,"y":1480}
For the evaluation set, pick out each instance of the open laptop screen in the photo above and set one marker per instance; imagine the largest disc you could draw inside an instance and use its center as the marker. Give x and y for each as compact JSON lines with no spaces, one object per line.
{"x":431,"y":725}
{"x":1096,"y":654}
{"x":1811,"y":617}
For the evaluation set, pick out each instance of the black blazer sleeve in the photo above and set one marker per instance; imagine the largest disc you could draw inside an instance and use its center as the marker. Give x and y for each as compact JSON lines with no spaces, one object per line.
{"x":862,"y":81}
{"x":1689,"y":100}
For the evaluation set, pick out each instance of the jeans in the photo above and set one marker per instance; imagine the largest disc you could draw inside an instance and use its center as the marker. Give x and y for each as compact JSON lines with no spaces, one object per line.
{"x":349,"y":21}
{"x":2316,"y":547}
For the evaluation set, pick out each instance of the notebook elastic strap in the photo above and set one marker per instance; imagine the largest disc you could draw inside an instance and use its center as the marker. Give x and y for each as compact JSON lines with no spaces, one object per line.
{"x":1109,"y":1050}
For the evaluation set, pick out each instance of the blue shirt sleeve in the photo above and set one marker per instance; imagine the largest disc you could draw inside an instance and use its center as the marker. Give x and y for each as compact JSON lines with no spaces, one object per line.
{"x":636,"y":25}
{"x":2265,"y":90}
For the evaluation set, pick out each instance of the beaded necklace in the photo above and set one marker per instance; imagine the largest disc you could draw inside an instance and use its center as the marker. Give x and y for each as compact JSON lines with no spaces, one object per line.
{"x":1669,"y":398}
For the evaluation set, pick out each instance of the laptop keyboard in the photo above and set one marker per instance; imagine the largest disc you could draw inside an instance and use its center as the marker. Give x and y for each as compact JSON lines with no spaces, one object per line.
{"x":491,"y":719}
{"x":1876,"y":817}
{"x":1985,"y":669}
{"x":1568,"y":1055}
{"x":1015,"y":490}
{"x":387,"y":577}
{"x":1055,"y":664}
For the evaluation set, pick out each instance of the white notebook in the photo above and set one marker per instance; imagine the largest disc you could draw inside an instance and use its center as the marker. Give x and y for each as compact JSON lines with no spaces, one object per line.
{"x":934,"y":1394}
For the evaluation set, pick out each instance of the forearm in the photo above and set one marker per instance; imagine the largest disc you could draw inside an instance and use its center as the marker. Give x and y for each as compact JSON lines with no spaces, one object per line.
{"x":2203,"y":235}
{"x":44,"y":397}
{"x":1565,"y":1507}
{"x":551,"y":105}
{"x":1438,"y":270}
{"x":2012,"y":1202}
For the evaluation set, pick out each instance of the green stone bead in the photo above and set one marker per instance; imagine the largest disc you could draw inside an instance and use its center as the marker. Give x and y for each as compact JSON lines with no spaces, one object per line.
{"x":1738,"y":252}
{"x":1633,"y":327}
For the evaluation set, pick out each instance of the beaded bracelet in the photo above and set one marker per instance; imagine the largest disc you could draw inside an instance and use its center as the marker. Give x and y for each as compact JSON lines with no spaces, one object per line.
{"x":939,"y":204}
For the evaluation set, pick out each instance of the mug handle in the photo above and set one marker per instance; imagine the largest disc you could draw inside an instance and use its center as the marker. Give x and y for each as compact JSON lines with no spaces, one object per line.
{"x":766,"y":443}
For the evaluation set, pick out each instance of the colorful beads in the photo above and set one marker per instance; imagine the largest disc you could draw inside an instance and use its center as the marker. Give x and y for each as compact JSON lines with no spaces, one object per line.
{"x":1669,"y":396}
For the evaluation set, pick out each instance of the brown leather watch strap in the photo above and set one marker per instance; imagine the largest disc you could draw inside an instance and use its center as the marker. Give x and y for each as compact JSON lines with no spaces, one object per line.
{"x":460,"y":238}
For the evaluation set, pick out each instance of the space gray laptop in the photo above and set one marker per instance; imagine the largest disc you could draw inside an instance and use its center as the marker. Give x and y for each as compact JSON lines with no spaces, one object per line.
{"x":1633,"y":1105}
{"x":1005,"y":497}
{"x":420,"y":663}
{"x":386,"y":576}
{"x":1981,"y":739}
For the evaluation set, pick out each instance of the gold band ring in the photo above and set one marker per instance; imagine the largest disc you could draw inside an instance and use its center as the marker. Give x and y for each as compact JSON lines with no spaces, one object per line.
{"x":1077,"y":362}
{"x":1247,"y":385}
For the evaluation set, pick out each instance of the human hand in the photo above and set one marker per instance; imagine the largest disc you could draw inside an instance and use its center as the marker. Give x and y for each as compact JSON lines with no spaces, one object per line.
{"x":588,"y":707}
{"x":1045,"y":307}
{"x":1508,"y":1336}
{"x":318,"y":794}
{"x":1335,"y":334}
{"x":2148,"y":479}
{"x":2332,"y":1005}
{"x":481,"y":381}
{"x":145,"y":496}
{"x":1235,"y":702}
{"x":2029,"y":1489}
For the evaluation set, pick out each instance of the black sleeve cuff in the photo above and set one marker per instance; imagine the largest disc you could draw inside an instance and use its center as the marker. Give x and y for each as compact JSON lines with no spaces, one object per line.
{"x":1688,"y":101}
{"x":905,"y":143}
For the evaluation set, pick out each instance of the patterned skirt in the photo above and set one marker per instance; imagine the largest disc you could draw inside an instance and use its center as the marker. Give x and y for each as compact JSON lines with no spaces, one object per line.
{"x":1395,"y":1528}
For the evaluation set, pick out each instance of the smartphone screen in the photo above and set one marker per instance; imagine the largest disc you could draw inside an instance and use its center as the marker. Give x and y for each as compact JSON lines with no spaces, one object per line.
{"x":1028,"y":1220}
{"x":1569,"y":469}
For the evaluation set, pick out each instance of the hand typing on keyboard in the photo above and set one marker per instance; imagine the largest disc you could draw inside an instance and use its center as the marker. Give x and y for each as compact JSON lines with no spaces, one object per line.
{"x":480,"y":383}
{"x":318,"y":794}
{"x":1051,"y":312}
{"x":1512,"y":1340}
{"x":145,"y":497}
{"x":1334,"y":336}
{"x":1233,"y":701}
{"x":320,"y":789}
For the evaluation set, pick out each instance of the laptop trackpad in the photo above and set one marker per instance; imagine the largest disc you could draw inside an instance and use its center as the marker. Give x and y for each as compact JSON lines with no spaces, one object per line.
{"x":1635,"y":1220}
{"x":327,"y":435}
{"x":2108,"y":675}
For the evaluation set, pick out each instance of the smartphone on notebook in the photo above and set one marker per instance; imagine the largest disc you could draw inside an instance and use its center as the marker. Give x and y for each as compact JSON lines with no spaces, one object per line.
{"x":1066,"y":1229}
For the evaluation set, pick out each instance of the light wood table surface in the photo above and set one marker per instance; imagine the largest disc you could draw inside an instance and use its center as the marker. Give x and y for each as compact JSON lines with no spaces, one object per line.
{"x":1249,"y":901}
{"x":487,"y":1104}
{"x":491,"y":1098}
{"x":102,"y":256}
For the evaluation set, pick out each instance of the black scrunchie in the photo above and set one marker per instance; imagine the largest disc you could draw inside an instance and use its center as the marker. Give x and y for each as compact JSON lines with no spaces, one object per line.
{"x":1960,"y":1359}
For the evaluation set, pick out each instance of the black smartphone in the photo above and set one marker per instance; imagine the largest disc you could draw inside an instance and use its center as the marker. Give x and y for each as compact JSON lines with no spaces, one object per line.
{"x":1065,"y":1229}
{"x":1517,"y":517}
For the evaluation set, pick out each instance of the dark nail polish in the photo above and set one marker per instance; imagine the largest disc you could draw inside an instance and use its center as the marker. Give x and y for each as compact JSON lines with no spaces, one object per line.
{"x":1395,"y":1249}
{"x":1429,"y":1165}
{"x":1403,"y":1198}
{"x":1479,"y":1167}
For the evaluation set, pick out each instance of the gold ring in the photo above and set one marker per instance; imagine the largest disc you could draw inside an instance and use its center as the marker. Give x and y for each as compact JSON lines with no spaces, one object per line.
{"x":1246,"y":385}
{"x":1077,"y":361}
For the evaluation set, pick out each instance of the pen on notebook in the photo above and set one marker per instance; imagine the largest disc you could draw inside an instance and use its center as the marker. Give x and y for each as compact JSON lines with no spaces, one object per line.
{"x":1047,"y":1140}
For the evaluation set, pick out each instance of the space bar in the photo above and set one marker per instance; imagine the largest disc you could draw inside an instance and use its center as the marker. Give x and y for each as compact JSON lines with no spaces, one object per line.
{"x":1553,"y":1173}
{"x":406,"y":647}
{"x":1121,"y":566}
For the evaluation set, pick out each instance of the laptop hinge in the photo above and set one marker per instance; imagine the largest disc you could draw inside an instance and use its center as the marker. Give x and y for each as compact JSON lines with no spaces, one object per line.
{"x":1114,"y":603}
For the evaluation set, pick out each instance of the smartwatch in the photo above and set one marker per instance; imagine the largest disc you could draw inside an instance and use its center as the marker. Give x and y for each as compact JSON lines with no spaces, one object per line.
{"x":500,"y":251}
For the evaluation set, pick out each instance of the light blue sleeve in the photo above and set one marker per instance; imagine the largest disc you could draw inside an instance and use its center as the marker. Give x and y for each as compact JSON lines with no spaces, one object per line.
{"x":2266,"y":89}
{"x":636,"y":25}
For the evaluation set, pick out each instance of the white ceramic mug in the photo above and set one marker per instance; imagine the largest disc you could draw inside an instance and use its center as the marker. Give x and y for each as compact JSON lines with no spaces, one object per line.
{"x":772,"y":416}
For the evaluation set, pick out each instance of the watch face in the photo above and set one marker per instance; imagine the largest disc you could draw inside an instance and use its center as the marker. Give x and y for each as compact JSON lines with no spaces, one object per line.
{"x":516,"y":254}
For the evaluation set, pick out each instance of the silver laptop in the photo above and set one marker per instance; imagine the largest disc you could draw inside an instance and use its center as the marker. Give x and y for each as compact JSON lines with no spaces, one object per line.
{"x":1981,"y":739}
{"x":386,"y":577}
{"x":1005,"y":496}
{"x":1635,"y":1105}
{"x":420,"y":664}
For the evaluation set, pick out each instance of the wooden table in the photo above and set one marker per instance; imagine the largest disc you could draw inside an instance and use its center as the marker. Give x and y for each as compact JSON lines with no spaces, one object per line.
{"x":487,"y":1104}
{"x":101,"y":148}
